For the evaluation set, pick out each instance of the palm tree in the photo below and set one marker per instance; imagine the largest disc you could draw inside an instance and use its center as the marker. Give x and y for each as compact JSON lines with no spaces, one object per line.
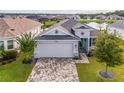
{"x":27,"y":43}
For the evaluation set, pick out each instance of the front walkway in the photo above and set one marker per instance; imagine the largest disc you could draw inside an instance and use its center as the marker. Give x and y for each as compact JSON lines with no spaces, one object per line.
{"x":55,"y":70}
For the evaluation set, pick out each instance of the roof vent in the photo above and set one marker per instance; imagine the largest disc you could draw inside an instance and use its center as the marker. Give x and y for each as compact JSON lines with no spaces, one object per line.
{"x":56,"y":31}
{"x":12,"y":29}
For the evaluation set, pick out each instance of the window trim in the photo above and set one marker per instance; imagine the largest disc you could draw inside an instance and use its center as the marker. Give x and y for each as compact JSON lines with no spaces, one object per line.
{"x":10,"y":45}
{"x":3,"y":44}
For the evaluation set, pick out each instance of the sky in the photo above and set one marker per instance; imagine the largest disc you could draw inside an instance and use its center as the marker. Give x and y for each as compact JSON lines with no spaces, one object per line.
{"x":57,"y":11}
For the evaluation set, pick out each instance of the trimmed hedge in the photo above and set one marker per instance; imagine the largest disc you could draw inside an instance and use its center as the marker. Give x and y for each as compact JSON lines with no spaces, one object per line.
{"x":7,"y":55}
{"x":97,"y":21}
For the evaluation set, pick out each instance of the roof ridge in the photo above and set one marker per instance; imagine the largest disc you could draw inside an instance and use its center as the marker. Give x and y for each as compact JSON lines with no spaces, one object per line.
{"x":6,"y":22}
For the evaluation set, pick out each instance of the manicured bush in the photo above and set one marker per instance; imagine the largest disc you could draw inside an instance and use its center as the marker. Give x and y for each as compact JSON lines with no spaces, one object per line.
{"x":90,"y":54}
{"x":27,"y":61}
{"x":7,"y":55}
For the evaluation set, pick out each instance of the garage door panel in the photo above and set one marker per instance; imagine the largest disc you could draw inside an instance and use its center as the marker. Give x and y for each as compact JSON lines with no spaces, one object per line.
{"x":55,"y":50}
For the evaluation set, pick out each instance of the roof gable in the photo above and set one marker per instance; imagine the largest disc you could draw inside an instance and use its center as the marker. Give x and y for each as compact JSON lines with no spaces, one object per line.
{"x":55,"y":37}
{"x":57,"y":31}
{"x":82,"y":26}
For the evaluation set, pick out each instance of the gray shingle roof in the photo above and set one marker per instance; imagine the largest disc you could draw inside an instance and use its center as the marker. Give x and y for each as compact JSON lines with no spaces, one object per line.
{"x":69,"y":24}
{"x":57,"y":37}
{"x":118,"y":24}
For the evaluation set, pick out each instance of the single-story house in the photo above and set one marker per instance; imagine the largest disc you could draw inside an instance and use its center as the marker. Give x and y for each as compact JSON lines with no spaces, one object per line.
{"x":10,"y":28}
{"x":114,"y":17}
{"x":65,"y":39}
{"x":117,"y":26}
{"x":87,"y":17}
{"x":101,"y":17}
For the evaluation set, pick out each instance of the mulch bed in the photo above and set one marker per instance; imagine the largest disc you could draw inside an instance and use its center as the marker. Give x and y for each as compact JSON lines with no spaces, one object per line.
{"x":3,"y":62}
{"x":106,"y":75}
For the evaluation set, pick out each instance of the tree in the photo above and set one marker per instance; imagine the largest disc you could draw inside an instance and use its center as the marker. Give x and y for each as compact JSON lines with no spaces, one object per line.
{"x":27,"y":43}
{"x":108,"y":50}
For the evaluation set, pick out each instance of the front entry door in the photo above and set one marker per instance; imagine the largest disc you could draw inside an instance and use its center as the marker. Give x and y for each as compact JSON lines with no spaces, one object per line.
{"x":83,"y":45}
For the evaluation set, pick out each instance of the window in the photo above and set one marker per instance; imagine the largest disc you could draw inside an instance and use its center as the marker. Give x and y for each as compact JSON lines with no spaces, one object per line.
{"x":56,"y":31}
{"x":82,"y":33}
{"x":1,"y":45}
{"x":10,"y":44}
{"x":92,"y":41}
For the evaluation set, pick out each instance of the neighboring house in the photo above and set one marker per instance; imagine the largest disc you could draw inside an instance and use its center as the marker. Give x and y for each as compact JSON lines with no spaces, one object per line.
{"x":98,"y":26}
{"x":61,"y":17}
{"x":101,"y":17}
{"x":117,"y":26}
{"x":114,"y":17}
{"x":65,"y":39}
{"x":46,"y":17}
{"x":94,"y":25}
{"x":76,"y":17}
{"x":10,"y":28}
{"x":33,"y":17}
{"x":87,"y":17}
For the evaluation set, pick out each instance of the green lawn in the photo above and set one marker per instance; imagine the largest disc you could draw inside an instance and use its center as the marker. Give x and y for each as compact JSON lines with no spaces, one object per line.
{"x":89,"y":72}
{"x":15,"y":71}
{"x":49,"y":23}
{"x":97,"y":21}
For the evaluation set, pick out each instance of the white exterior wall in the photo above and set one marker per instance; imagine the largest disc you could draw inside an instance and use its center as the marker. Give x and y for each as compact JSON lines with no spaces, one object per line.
{"x":85,"y":35}
{"x":59,"y":33}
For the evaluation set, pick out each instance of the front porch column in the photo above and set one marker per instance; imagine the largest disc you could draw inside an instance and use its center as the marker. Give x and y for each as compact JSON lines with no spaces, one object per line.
{"x":75,"y":48}
{"x":88,"y":45}
{"x":5,"y":45}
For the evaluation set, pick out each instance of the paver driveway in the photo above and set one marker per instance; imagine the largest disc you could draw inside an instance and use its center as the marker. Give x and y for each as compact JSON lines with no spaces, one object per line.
{"x":54,"y":70}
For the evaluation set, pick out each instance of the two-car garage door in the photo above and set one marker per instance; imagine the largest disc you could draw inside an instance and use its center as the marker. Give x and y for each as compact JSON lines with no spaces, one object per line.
{"x":55,"y":50}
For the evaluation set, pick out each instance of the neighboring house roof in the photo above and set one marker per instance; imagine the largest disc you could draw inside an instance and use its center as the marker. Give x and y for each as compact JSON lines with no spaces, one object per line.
{"x":114,"y":16}
{"x":94,"y":25}
{"x":98,"y":26}
{"x":57,"y":37}
{"x":118,"y":24}
{"x":100,"y":17}
{"x":10,"y":27}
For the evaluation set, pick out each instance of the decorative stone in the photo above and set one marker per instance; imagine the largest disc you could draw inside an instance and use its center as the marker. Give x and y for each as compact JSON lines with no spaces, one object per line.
{"x":55,"y":70}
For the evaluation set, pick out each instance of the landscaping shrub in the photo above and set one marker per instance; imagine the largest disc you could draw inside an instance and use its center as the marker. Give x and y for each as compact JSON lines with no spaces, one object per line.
{"x":6,"y":55}
{"x":27,"y":60}
{"x":90,"y":54}
{"x":76,"y":58}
